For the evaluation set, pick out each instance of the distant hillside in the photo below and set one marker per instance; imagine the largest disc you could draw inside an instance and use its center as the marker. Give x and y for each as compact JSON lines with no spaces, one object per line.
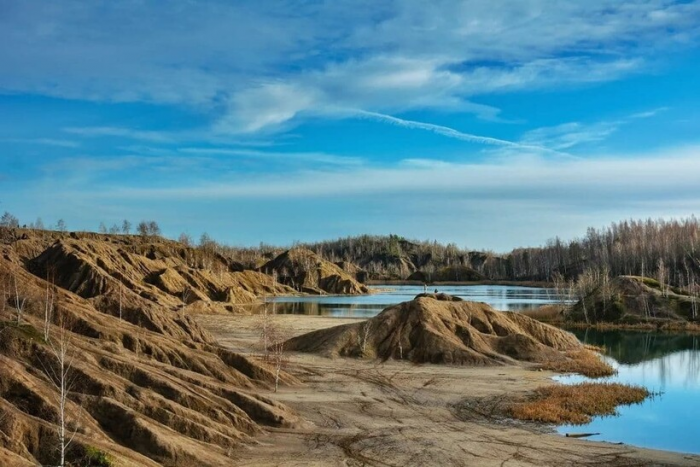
{"x":396,"y":258}
{"x":305,"y":271}
{"x":642,"y":247}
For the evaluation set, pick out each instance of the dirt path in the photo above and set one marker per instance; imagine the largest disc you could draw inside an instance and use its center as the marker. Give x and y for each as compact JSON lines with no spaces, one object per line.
{"x":399,"y":414}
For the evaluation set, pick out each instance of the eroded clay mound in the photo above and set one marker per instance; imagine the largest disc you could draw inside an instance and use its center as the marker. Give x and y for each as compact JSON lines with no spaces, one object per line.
{"x":149,"y":389}
{"x":158,"y":274}
{"x":436,"y":328}
{"x":305,"y":271}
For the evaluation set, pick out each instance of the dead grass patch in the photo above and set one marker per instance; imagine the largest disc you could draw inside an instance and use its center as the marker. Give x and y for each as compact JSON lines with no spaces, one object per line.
{"x":546,"y":313}
{"x":576,"y":404}
{"x":585,"y":362}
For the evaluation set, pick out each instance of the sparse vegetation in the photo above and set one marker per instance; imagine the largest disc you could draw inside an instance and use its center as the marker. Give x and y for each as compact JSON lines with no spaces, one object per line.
{"x":585,"y":362}
{"x":575,"y":404}
{"x":95,"y":457}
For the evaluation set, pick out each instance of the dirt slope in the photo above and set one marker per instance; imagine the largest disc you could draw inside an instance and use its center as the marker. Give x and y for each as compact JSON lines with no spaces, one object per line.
{"x":438,"y":328}
{"x":163,"y":273}
{"x":307,"y":272}
{"x":149,"y":389}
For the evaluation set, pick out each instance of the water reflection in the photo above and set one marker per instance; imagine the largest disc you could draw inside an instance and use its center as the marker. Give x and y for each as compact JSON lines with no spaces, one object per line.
{"x":509,"y":298}
{"x":665,"y":363}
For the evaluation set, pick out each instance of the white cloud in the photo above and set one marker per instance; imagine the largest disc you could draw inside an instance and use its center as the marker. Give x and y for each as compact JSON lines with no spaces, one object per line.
{"x":668,"y":176}
{"x":265,"y":64}
{"x":568,"y":135}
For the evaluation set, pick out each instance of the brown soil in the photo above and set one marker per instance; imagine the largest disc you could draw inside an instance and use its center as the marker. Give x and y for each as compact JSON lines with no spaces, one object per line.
{"x":307,"y":272}
{"x":150,"y":389}
{"x":397,"y":413}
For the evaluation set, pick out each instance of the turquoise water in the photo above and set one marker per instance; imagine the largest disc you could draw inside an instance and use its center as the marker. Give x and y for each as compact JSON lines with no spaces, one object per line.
{"x":663,"y":363}
{"x":501,"y":297}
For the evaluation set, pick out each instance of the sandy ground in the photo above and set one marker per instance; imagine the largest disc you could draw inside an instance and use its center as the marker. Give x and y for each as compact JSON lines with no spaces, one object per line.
{"x":361,"y":412}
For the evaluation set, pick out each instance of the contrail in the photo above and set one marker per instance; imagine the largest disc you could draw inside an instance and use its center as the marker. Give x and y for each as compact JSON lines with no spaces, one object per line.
{"x":452,"y":133}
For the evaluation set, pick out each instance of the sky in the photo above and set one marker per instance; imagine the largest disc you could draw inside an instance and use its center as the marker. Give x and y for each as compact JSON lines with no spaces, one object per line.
{"x":490,"y":124}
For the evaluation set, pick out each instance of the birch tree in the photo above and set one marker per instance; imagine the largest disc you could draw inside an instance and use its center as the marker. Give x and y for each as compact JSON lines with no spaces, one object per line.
{"x":62,"y":377}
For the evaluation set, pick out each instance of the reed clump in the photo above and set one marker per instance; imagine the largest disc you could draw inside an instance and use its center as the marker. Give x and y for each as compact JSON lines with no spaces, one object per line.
{"x":576,"y":404}
{"x":585,"y":362}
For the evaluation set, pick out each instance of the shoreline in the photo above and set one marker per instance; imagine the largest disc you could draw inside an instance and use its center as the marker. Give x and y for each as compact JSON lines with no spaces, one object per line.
{"x":533,"y":284}
{"x":397,"y":413}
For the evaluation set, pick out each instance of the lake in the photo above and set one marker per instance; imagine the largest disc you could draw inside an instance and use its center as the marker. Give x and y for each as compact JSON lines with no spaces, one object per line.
{"x":501,"y":297}
{"x":665,"y":363}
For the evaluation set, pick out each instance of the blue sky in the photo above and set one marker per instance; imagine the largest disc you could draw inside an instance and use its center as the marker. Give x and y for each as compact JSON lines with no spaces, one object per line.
{"x":490,"y":124}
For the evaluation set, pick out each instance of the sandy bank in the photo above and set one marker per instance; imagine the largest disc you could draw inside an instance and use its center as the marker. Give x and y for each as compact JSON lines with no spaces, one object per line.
{"x":401,"y":414}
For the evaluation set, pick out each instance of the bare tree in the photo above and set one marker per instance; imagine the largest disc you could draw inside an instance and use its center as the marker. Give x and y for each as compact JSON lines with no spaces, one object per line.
{"x":39,"y":224}
{"x":279,"y":357}
{"x":662,"y":276}
{"x":9,"y":221}
{"x":61,"y":225}
{"x":583,"y":287}
{"x":114,"y":230}
{"x":102,"y":228}
{"x":273,"y":335}
{"x":142,"y":229}
{"x":365,"y":335}
{"x":20,"y":301}
{"x":560,"y":288}
{"x":153,"y":228}
{"x":185,"y":239}
{"x":264,"y":325}
{"x":61,"y":375}
{"x":126,"y":227}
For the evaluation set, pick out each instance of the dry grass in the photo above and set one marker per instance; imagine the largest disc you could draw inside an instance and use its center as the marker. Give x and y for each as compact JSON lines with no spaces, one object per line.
{"x":576,"y":404}
{"x":585,"y":362}
{"x":546,"y":313}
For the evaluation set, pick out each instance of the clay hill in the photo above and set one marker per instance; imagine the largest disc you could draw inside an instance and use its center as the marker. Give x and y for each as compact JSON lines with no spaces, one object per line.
{"x":633,"y":300}
{"x":305,"y":271}
{"x":151,"y":388}
{"x":438,"y":328}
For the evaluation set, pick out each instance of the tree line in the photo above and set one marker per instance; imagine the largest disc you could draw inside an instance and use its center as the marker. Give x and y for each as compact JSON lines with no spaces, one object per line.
{"x":666,"y":249}
{"x":650,"y":248}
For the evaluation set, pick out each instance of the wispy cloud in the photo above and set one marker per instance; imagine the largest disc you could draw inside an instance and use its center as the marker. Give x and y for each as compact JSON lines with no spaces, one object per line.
{"x":291,"y":157}
{"x":569,"y":135}
{"x":64,"y":143}
{"x":649,"y":113}
{"x":573,"y":134}
{"x":639,"y":176}
{"x":261,"y":66}
{"x":152,"y":136}
{"x":452,"y":133}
